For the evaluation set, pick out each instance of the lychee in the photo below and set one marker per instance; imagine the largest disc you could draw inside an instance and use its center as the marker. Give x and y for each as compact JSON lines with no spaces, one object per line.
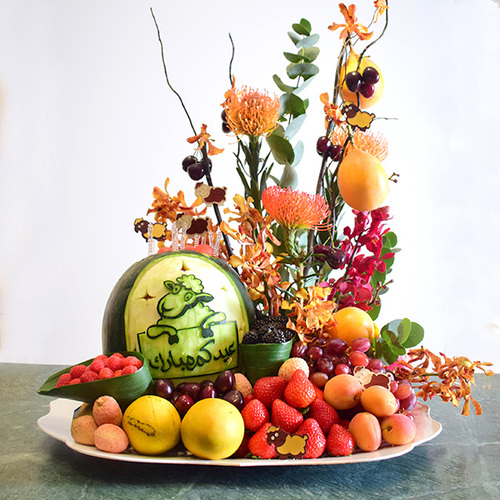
{"x":83,"y":428}
{"x":110,"y":438}
{"x":290,"y":365}
{"x":242,"y":384}
{"x":106,"y":410}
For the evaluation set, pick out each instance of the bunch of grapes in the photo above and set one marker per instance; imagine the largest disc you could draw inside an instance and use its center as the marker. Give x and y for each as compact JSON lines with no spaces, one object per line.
{"x":330,"y":357}
{"x":185,"y":394}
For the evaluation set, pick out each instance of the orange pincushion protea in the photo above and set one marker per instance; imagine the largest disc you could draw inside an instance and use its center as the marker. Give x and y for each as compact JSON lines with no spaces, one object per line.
{"x":250,"y":112}
{"x":295,"y":209}
{"x":375,"y":144}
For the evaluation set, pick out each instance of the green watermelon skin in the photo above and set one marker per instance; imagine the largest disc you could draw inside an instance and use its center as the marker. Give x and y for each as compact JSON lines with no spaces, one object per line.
{"x":119,"y":332}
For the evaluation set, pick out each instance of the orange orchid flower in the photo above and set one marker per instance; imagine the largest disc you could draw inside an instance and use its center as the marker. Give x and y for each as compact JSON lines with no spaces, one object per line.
{"x":381,"y":6}
{"x":351,"y":24}
{"x":332,"y":111}
{"x":203,"y":138}
{"x":166,"y":207}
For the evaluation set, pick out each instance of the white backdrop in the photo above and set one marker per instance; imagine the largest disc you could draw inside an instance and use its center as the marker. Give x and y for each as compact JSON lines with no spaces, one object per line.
{"x":88,"y":127}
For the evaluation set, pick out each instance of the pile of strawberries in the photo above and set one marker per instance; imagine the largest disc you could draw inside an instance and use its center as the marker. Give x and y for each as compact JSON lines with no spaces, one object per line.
{"x":297,"y":408}
{"x":102,"y":367}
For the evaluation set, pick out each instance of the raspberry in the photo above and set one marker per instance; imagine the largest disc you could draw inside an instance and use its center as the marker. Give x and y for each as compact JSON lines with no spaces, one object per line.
{"x":129,"y":369}
{"x":75,"y":381}
{"x":98,"y":364}
{"x":114,"y":362}
{"x":88,"y":376}
{"x":118,"y":373}
{"x":132,"y":361}
{"x":64,"y":379}
{"x":77,"y":370}
{"x":105,"y":373}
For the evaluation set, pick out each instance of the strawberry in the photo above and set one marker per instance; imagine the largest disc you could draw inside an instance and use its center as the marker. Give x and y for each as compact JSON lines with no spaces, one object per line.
{"x":319,"y":393}
{"x":267,"y":389}
{"x":258,"y":446}
{"x":340,"y":442}
{"x":285,"y":417}
{"x":243,"y":450}
{"x":325,"y":414}
{"x":300,"y":391}
{"x":316,"y":442}
{"x":254,"y":415}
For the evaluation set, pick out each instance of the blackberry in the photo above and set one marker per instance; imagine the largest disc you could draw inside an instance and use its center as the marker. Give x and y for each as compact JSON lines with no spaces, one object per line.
{"x":251,"y":337}
{"x":273,"y":337}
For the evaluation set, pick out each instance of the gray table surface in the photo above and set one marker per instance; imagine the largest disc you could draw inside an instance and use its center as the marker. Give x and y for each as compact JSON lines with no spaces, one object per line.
{"x":461,"y":463}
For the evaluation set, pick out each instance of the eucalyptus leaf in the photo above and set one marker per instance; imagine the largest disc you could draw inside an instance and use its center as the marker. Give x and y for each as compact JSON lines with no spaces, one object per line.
{"x":305,"y":70}
{"x":311,"y":53}
{"x":306,"y":24}
{"x":374,"y":312}
{"x":416,"y":335}
{"x":282,"y":150}
{"x":391,"y":239}
{"x":282,"y":86}
{"x":292,"y":105}
{"x":303,"y":85}
{"x":295,"y":58}
{"x":298,"y":151}
{"x":295,"y":38}
{"x":289,"y":178}
{"x":279,"y":130}
{"x":294,"y":126}
{"x":307,"y":42}
{"x":301,"y":29}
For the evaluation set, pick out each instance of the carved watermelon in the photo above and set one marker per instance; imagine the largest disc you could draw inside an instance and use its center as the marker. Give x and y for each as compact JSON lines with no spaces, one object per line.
{"x":185,"y":312}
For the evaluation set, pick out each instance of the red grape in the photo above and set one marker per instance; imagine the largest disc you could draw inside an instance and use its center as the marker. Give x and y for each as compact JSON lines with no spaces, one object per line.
{"x":299,"y":350}
{"x":341,"y":368}
{"x":408,"y":403}
{"x":315,"y":353}
{"x":335,"y":346}
{"x":361,"y":344}
{"x":358,"y":358}
{"x":324,"y":365}
{"x":404,"y":389}
{"x":319,"y":379}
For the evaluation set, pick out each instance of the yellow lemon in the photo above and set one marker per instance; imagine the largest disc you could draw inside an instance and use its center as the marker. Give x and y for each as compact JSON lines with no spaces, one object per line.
{"x":362,"y":180}
{"x":213,"y":429}
{"x":152,"y":425}
{"x":352,"y":65}
{"x":352,"y":323}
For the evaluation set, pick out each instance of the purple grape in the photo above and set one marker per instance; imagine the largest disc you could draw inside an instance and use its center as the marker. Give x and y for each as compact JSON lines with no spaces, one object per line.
{"x":353,"y":81}
{"x":367,"y":90}
{"x":323,"y":145}
{"x":376,"y":365}
{"x":371,"y":75}
{"x":408,"y":403}
{"x":164,"y":388}
{"x":324,"y":365}
{"x":183,"y":403}
{"x":336,"y":258}
{"x":361,"y":344}
{"x":235,"y":398}
{"x":224,"y":382}
{"x":299,"y":349}
{"x":192,"y":389}
{"x":189,"y":160}
{"x":315,"y":353}
{"x":207,"y":392}
{"x":336,"y":346}
{"x":196,"y":171}
{"x":335,"y":152}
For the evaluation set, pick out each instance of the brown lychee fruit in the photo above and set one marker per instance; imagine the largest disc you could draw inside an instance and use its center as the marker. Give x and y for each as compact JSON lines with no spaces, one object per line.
{"x":111,"y":438}
{"x":83,"y":428}
{"x":85,"y":409}
{"x":106,"y":410}
{"x":242,"y":384}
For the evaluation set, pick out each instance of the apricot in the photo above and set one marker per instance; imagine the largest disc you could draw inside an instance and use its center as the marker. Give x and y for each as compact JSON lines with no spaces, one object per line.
{"x":343,"y":392}
{"x":365,"y":428}
{"x":379,"y":401}
{"x":398,"y":429}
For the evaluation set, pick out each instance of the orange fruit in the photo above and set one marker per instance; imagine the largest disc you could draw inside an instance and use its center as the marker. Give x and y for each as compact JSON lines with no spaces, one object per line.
{"x":352,"y":65}
{"x":352,"y":323}
{"x":362,"y":180}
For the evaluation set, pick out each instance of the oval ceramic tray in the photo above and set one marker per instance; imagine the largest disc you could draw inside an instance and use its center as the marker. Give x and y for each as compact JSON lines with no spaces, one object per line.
{"x":57,"y":424}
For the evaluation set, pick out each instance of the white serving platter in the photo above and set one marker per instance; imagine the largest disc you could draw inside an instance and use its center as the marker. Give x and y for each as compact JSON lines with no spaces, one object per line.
{"x":57,"y":424}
